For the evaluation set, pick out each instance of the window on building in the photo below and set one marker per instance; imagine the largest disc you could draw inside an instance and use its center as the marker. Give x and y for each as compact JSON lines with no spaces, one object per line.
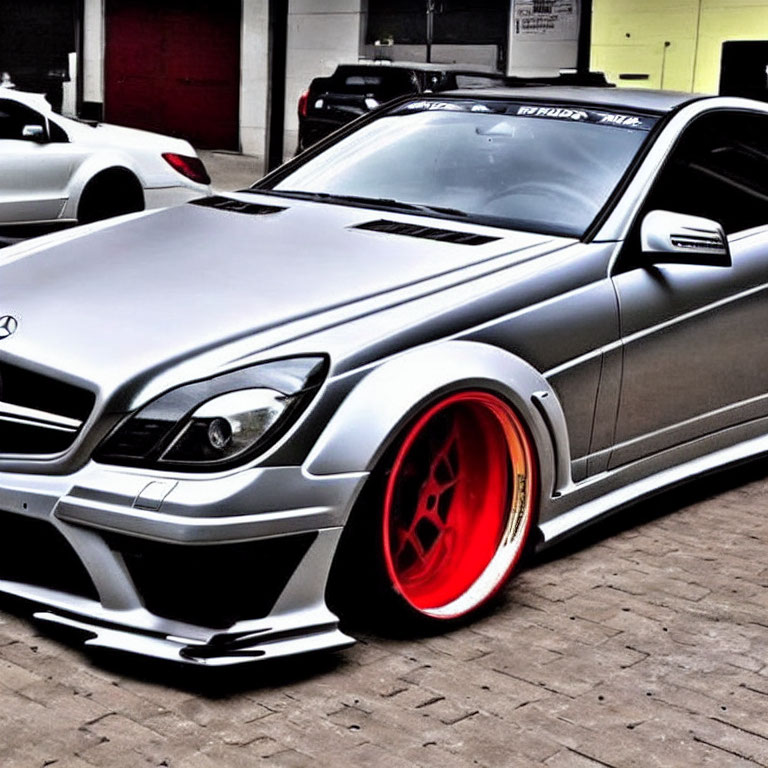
{"x":457,"y":22}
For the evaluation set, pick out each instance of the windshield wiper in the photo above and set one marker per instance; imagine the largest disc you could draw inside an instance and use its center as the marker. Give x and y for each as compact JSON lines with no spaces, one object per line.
{"x":382,"y":202}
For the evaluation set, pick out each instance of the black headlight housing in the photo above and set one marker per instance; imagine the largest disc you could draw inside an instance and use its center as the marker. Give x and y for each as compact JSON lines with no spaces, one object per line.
{"x":216,"y":423}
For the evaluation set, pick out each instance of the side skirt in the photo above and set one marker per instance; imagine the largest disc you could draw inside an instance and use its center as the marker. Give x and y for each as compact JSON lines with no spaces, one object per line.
{"x":624,"y":490}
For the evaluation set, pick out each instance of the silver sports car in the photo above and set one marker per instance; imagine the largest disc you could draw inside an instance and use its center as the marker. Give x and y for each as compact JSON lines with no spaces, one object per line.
{"x":466,"y":325}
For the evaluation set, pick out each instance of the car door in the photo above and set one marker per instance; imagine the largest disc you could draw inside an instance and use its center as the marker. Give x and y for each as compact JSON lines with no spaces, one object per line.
{"x":695,"y":347}
{"x":35,"y":171}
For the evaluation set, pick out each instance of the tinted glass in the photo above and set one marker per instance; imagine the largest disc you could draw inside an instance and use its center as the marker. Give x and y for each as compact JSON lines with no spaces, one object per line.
{"x":58,"y":134}
{"x":13,"y":118}
{"x":540,"y":168}
{"x":718,"y":170}
{"x":379,"y":82}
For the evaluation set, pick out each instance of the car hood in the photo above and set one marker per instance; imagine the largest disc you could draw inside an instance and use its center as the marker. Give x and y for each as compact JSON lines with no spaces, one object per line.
{"x":134,"y":297}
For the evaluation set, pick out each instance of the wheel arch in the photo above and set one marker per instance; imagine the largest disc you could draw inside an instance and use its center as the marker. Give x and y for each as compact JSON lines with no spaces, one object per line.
{"x":390,"y":396}
{"x":95,"y":167}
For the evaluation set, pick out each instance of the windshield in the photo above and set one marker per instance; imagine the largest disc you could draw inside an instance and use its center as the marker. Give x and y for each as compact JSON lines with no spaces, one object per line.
{"x":541,"y":168}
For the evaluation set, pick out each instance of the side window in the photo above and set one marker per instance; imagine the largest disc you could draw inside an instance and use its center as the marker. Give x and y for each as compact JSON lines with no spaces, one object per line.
{"x":57,"y":132}
{"x":13,"y":118}
{"x":718,"y":170}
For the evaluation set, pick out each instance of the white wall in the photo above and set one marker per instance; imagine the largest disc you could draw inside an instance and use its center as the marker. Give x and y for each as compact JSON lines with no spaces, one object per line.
{"x":254,"y":76}
{"x":69,"y":88}
{"x":320,"y":36}
{"x":93,"y":51}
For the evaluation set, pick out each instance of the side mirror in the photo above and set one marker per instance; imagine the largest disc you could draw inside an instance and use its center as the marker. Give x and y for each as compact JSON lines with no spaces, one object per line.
{"x":676,"y":238}
{"x":34,"y":133}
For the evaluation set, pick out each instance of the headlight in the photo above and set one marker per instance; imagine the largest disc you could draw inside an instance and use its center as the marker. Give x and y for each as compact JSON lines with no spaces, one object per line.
{"x":218,"y":422}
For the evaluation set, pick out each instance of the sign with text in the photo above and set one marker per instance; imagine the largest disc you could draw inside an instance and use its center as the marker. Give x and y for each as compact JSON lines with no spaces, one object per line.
{"x":546,"y":19}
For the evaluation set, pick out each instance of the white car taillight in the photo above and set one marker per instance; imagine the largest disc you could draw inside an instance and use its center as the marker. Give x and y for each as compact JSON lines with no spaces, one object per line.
{"x":191,"y":167}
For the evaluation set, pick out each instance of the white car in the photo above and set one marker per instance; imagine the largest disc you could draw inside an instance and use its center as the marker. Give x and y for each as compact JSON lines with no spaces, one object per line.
{"x":55,"y":170}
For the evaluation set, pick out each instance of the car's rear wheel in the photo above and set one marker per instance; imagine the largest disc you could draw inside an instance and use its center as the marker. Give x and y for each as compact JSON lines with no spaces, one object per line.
{"x":456,"y":502}
{"x":111,"y":193}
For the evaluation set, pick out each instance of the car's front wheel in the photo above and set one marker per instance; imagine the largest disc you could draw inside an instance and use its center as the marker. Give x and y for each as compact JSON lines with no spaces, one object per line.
{"x":456,"y":502}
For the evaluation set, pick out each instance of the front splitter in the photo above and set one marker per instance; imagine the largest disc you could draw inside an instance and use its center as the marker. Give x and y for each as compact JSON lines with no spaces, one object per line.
{"x":221,"y":650}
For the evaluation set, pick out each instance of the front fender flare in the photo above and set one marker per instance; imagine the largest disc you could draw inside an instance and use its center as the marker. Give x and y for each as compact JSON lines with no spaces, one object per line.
{"x":375,"y":412}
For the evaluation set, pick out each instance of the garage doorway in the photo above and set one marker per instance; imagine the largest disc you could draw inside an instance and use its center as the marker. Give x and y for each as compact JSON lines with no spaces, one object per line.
{"x":36,"y":39}
{"x":174,"y":67}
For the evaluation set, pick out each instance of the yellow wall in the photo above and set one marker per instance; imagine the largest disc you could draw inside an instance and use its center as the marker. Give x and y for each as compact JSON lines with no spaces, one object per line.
{"x":629,"y":36}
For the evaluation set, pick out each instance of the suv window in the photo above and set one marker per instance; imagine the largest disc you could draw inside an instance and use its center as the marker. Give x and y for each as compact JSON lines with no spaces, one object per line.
{"x":380,"y":82}
{"x":13,"y":118}
{"x":718,"y":170}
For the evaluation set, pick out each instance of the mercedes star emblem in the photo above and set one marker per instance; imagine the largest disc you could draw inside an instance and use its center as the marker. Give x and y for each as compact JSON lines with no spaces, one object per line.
{"x":8,"y":326}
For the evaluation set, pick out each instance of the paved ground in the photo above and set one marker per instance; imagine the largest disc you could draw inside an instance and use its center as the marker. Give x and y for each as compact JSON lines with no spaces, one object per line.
{"x":230,"y":171}
{"x":639,"y":646}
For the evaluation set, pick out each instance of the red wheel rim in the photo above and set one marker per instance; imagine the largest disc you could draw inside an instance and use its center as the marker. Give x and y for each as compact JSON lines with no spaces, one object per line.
{"x":458,"y":504}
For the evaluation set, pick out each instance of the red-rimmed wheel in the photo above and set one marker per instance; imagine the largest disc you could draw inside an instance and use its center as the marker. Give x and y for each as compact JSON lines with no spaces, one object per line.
{"x":458,"y":504}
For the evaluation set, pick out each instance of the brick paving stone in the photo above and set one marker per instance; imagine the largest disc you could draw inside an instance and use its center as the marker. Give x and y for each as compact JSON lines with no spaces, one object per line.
{"x":490,"y":739}
{"x":370,"y":754}
{"x":732,"y":740}
{"x":290,"y":758}
{"x":571,"y":759}
{"x":14,"y":677}
{"x":118,"y":736}
{"x":537,"y":718}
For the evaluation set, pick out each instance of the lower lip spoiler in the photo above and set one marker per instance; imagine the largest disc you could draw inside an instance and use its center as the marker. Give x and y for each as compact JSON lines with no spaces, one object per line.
{"x":221,"y":650}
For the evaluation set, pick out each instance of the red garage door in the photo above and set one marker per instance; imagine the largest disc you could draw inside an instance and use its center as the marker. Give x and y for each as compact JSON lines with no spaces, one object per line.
{"x":174,"y":67}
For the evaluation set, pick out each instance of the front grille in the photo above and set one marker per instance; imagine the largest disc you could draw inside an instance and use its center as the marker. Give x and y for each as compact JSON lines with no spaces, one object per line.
{"x":39,"y":414}
{"x":211,"y":585}
{"x":33,"y":552}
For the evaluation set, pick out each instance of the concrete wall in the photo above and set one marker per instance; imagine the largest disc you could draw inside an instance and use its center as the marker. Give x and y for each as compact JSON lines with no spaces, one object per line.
{"x":93,"y":51}
{"x":677,"y":43}
{"x":320,"y":36}
{"x":254,"y":76}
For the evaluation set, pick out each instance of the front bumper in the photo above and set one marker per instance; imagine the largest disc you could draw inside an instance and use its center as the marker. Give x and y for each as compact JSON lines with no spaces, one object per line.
{"x":208,"y":570}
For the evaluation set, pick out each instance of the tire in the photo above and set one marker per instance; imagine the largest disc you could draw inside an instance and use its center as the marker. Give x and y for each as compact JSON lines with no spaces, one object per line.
{"x":111,"y":193}
{"x":446,"y":518}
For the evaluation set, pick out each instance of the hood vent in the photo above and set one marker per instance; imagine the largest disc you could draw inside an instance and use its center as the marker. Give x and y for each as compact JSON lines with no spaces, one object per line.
{"x":237,"y":206}
{"x":427,"y":233}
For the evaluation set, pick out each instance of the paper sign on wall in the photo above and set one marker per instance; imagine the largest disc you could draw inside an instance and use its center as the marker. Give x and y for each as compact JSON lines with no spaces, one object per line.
{"x":546,"y":19}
